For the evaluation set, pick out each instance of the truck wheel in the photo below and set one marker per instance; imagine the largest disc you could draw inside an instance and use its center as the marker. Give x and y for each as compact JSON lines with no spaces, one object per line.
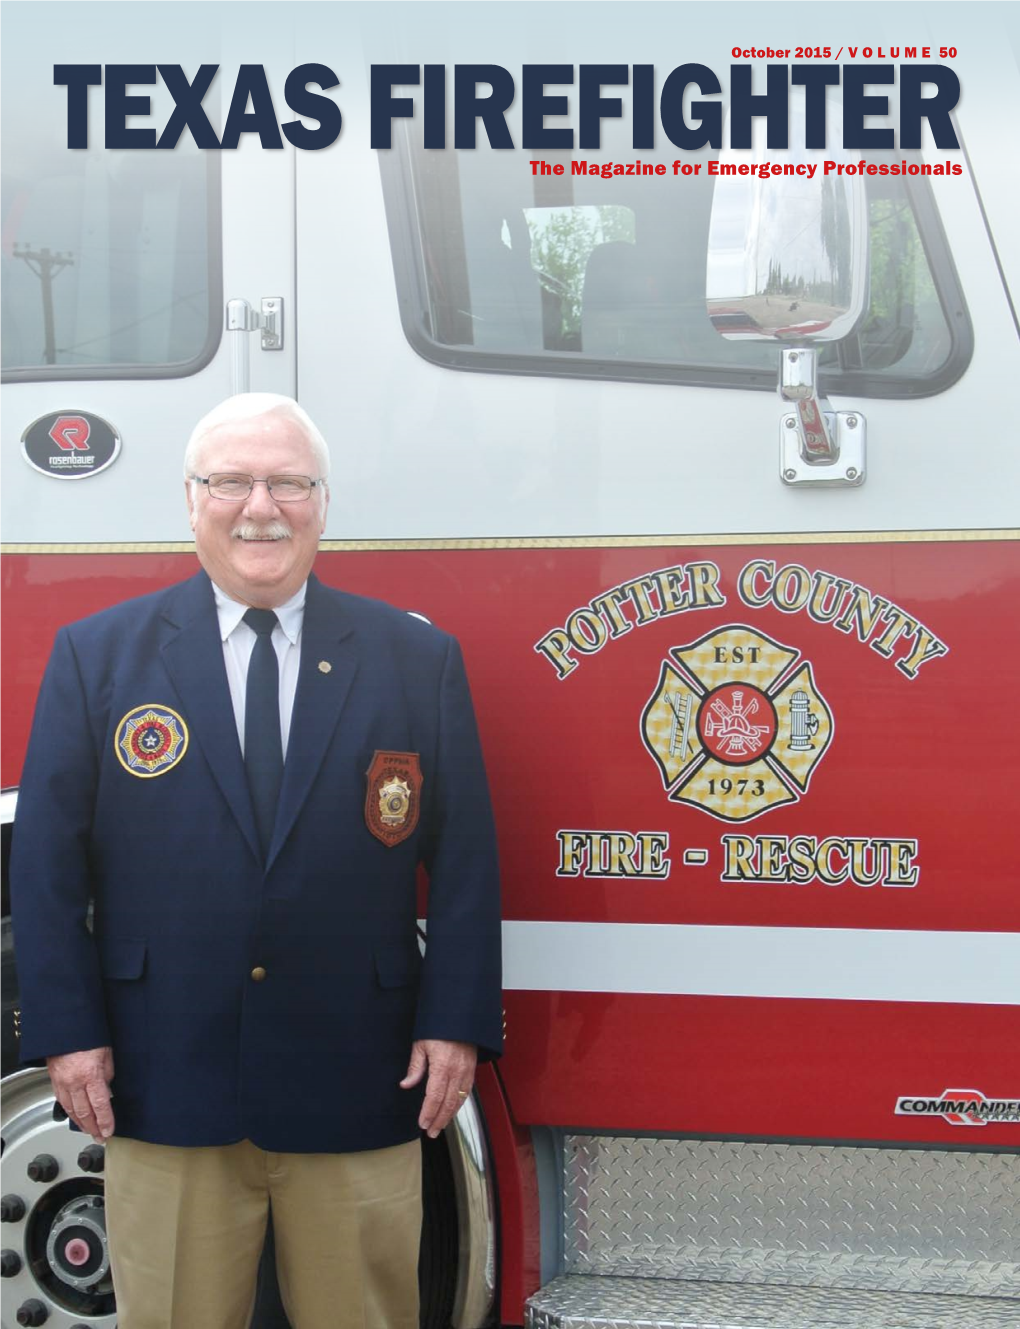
{"x":55,"y":1263}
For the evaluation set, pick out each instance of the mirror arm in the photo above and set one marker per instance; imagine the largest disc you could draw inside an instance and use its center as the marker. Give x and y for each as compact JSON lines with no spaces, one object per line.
{"x":799,"y":385}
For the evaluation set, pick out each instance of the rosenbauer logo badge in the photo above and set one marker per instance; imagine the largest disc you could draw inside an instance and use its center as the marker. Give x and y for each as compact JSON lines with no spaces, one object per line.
{"x":70,"y":445}
{"x":733,"y":727}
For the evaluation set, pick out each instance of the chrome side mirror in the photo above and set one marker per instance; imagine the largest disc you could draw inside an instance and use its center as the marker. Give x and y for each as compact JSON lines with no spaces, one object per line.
{"x":787,"y":256}
{"x":788,"y":263}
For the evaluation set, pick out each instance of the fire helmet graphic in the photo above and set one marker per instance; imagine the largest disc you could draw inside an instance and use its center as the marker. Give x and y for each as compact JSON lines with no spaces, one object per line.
{"x":733,"y":726}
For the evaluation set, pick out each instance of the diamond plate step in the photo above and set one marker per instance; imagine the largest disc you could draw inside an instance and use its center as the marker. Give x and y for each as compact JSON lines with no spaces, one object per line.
{"x":799,"y":1215}
{"x":588,"y":1301}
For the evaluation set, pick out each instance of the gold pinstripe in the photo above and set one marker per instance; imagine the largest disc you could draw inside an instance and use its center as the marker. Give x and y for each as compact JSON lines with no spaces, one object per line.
{"x":553,"y":542}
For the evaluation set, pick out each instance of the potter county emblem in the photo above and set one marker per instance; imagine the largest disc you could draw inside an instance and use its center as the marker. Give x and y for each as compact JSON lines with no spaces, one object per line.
{"x":734,"y":725}
{"x":393,"y":796}
{"x":150,"y":739}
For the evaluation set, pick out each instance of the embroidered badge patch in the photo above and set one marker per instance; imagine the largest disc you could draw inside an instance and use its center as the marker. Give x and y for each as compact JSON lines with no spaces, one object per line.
{"x":150,"y":739}
{"x":393,"y":797}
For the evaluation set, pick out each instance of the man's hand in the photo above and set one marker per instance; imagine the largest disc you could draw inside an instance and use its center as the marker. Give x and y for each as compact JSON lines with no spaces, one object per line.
{"x":81,"y":1082}
{"x":451,"y":1068}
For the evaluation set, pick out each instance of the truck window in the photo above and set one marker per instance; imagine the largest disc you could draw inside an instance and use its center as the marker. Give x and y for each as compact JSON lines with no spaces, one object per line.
{"x":110,"y":260}
{"x":505,"y":270}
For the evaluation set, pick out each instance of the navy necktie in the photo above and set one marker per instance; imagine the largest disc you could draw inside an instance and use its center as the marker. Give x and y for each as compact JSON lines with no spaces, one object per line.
{"x":263,"y":747}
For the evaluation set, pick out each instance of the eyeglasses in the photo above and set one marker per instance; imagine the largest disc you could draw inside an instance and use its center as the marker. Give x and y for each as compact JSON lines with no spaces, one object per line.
{"x":282,"y":488}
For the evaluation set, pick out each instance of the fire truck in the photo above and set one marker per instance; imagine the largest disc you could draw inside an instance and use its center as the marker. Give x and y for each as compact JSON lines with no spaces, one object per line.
{"x":706,"y":471}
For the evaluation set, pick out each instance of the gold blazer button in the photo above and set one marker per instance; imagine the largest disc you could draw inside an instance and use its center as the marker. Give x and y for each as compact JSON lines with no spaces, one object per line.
{"x":258,"y":973}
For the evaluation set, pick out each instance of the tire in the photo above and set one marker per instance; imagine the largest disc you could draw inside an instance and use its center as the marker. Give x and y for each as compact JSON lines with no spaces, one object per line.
{"x":437,"y":1263}
{"x":9,"y":992}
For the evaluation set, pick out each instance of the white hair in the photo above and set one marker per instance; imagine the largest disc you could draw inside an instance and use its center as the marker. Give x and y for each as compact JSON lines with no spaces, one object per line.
{"x":249,"y":406}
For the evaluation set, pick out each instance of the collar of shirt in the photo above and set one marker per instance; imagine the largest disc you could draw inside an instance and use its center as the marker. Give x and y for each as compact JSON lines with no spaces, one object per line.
{"x":290,"y":615}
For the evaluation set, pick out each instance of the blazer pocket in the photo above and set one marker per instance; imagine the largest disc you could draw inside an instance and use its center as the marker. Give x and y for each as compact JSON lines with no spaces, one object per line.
{"x":396,"y":966}
{"x":122,"y":957}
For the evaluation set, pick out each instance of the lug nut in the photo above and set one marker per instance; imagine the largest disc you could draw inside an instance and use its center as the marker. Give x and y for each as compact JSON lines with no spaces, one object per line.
{"x":92,"y":1159}
{"x":12,"y":1209}
{"x":32,"y":1312}
{"x":10,"y":1264}
{"x":44,"y":1167}
{"x":58,"y":1112}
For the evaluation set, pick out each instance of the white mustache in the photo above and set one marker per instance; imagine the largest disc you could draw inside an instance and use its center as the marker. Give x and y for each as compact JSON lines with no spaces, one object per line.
{"x":252,"y":530}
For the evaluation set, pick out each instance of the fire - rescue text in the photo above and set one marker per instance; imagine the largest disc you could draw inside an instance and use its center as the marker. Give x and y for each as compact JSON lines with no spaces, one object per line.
{"x":757,"y":860}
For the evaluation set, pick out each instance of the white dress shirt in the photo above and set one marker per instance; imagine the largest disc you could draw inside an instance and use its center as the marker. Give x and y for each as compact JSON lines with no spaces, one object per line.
{"x":239,"y":642}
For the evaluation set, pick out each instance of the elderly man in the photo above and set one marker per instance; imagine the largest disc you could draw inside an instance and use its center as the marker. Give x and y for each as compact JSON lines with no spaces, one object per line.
{"x":243,"y":773}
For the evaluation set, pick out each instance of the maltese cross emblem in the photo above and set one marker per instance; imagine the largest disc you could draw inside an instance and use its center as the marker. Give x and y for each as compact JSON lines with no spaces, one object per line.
{"x":736,"y":725}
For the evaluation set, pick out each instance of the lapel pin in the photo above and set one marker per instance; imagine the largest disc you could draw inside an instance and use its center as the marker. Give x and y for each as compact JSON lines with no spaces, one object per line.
{"x":324,"y":666}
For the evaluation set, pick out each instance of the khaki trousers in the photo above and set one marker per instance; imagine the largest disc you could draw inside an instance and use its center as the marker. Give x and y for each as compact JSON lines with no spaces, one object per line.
{"x":186,"y":1228}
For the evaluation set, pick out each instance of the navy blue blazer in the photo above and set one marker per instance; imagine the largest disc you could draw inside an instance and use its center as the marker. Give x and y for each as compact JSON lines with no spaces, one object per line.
{"x":275,"y":1001}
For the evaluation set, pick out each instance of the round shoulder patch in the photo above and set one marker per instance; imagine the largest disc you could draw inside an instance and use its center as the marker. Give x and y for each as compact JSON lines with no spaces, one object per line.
{"x":150,"y":739}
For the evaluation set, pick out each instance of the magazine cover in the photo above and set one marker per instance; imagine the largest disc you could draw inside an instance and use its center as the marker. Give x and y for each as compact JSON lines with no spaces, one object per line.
{"x":664,"y":354}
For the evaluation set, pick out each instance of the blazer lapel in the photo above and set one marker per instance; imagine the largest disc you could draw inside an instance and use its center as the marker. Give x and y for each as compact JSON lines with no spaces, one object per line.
{"x":193,"y":655}
{"x":327,"y":670}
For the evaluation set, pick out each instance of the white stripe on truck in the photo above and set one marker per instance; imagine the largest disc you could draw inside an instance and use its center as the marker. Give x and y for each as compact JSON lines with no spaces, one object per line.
{"x":843,"y":964}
